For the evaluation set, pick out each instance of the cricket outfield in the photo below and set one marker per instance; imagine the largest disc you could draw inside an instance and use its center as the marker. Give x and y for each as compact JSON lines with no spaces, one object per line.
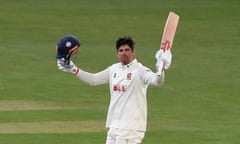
{"x":198,"y":104}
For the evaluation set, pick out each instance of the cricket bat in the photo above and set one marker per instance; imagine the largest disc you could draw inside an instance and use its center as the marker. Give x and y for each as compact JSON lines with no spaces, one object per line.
{"x":169,"y":31}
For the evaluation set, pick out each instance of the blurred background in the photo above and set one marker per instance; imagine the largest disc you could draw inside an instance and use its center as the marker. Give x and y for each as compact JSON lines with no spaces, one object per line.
{"x":199,"y":102}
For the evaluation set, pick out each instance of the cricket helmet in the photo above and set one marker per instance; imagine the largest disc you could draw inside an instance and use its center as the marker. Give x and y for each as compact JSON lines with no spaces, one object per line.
{"x":66,"y":46}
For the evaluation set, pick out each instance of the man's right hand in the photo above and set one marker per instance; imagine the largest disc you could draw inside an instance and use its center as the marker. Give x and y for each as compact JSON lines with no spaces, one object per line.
{"x":63,"y":66}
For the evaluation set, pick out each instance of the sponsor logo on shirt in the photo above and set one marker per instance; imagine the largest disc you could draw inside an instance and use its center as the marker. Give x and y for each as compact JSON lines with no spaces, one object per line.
{"x":119,"y":88}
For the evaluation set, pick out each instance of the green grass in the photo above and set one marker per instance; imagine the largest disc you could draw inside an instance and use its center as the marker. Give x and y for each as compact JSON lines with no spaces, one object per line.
{"x":72,"y":138}
{"x":198,"y":104}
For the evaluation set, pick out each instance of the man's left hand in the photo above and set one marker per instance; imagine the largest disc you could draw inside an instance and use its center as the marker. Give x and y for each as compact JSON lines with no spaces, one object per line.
{"x":164,"y":58}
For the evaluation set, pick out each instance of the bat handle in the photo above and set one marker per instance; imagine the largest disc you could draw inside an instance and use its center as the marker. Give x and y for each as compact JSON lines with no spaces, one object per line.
{"x":166,"y":45}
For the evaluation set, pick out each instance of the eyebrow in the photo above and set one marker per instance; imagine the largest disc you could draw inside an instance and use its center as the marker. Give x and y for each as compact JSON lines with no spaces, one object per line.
{"x":125,"y":49}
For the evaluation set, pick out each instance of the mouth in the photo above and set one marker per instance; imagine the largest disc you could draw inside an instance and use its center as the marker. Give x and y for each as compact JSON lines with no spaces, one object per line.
{"x":124,"y":59}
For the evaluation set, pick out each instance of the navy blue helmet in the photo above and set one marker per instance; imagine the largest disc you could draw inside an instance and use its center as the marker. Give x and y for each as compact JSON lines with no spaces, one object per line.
{"x":66,"y":46}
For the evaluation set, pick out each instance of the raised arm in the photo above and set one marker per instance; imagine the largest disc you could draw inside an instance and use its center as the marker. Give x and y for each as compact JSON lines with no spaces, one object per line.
{"x":94,"y":79}
{"x":89,"y":78}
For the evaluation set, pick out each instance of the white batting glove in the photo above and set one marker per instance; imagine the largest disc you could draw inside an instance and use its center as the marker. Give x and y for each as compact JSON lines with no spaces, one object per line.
{"x":164,"y":59}
{"x":71,"y":67}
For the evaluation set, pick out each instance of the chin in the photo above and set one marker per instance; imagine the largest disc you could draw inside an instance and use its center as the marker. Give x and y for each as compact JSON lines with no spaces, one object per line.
{"x":124,"y":62}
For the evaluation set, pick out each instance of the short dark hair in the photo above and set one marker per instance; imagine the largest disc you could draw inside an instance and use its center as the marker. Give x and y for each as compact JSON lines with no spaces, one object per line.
{"x":125,"y":40}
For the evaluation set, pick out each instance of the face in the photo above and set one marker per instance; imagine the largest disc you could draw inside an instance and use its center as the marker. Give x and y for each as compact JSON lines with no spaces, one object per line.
{"x":125,"y":54}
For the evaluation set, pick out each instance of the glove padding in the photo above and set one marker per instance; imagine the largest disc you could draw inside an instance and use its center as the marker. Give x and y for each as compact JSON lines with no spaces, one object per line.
{"x":63,"y":66}
{"x":163,"y":58}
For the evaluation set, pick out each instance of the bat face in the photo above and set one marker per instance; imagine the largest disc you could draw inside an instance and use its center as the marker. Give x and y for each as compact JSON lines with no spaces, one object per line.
{"x":169,"y":31}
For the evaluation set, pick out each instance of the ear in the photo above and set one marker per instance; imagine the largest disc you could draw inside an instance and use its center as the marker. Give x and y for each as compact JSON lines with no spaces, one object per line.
{"x":117,"y":54}
{"x":134,"y":52}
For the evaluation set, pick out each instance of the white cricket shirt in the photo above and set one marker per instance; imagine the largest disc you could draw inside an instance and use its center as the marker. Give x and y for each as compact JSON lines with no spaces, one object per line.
{"x":128,"y":87}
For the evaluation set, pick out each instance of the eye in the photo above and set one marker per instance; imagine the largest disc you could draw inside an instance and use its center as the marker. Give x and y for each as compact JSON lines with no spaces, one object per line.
{"x":120,"y":50}
{"x":127,"y":49}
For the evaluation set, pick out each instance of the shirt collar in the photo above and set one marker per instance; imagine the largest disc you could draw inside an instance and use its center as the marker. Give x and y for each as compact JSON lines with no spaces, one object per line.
{"x":130,"y":64}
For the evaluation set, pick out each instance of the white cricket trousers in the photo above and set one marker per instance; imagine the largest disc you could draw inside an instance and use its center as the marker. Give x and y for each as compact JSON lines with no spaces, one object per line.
{"x":121,"y":136}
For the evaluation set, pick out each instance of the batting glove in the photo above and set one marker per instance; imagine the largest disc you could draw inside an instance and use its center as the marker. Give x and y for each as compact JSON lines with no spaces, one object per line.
{"x":164,"y":59}
{"x":63,"y":66}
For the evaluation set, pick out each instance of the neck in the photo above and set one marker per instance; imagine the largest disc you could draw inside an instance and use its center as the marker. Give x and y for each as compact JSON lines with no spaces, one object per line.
{"x":128,"y":62}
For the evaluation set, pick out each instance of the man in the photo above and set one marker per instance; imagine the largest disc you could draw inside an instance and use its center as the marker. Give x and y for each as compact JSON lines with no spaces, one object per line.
{"x":128,"y":82}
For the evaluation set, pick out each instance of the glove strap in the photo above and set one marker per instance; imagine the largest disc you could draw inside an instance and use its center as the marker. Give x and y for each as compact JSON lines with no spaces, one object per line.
{"x":76,"y":71}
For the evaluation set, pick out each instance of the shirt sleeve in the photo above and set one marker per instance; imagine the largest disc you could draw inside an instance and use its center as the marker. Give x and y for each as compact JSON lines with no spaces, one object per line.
{"x":94,"y":79}
{"x":152,"y":78}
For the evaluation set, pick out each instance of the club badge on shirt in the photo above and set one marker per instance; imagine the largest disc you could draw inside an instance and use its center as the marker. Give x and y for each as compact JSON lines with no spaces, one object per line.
{"x":129,"y":76}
